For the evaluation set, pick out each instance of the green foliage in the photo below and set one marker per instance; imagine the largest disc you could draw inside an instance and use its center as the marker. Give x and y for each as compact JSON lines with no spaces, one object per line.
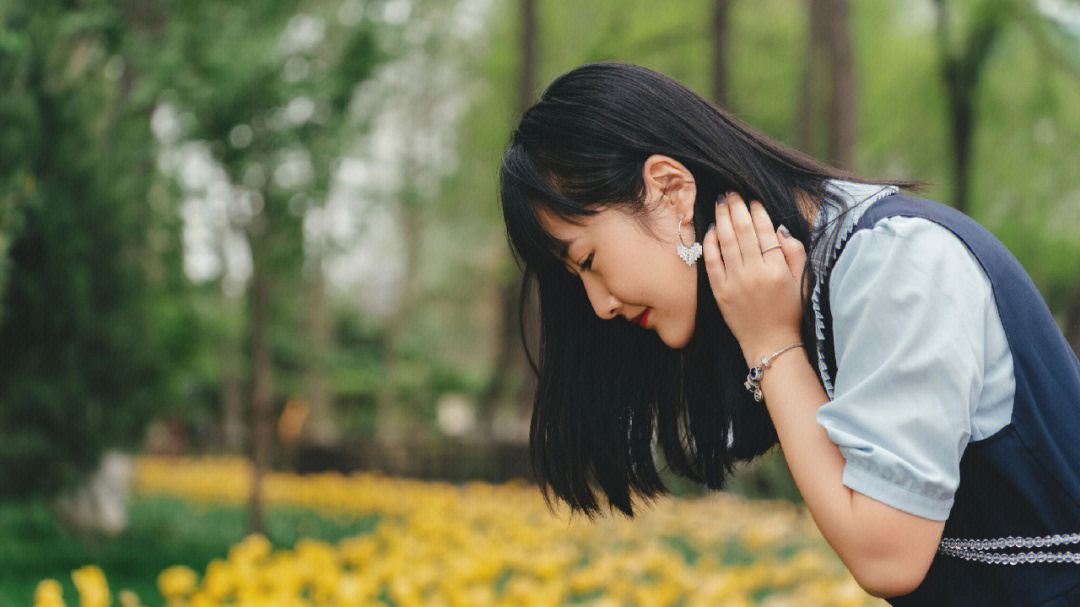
{"x":102,"y":328}
{"x":270,"y":83}
{"x":1025,"y":186}
{"x":163,"y":531}
{"x":84,"y":368}
{"x":767,"y":476}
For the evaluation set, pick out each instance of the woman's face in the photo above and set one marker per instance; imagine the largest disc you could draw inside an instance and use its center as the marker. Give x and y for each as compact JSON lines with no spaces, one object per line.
{"x":626,"y":269}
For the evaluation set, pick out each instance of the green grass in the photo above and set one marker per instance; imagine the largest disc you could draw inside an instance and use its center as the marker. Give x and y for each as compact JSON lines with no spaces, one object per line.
{"x":162,"y":531}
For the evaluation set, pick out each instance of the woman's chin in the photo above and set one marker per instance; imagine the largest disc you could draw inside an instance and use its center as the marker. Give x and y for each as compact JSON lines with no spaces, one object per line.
{"x":675,"y":342}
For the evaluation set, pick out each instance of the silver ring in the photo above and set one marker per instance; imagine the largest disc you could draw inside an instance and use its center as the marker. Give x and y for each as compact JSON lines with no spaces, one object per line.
{"x":763,"y":251}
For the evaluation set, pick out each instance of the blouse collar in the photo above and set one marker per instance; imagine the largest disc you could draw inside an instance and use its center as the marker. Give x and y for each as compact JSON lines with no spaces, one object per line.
{"x":850,"y":194}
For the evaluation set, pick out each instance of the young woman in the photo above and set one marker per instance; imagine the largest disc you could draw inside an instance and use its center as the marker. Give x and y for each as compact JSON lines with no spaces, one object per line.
{"x":926,"y":402}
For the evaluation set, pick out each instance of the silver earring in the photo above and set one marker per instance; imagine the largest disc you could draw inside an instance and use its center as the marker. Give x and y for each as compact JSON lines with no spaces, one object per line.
{"x":690,"y":253}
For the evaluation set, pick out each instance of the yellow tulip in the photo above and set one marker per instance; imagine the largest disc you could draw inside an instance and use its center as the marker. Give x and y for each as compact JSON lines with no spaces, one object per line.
{"x":218,"y":582}
{"x":92,"y":587}
{"x":128,"y":598}
{"x":201,"y":599}
{"x":357,"y":551}
{"x":441,"y":545}
{"x":177,"y":581}
{"x":48,"y":593}
{"x":251,"y":549}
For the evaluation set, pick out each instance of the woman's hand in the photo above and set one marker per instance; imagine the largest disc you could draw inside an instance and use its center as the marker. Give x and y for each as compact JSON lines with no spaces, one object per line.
{"x":758,"y":293}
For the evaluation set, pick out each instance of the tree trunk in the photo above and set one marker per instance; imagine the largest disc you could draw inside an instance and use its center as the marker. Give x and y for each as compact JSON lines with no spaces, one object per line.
{"x":506,"y":355}
{"x":321,"y":427}
{"x":1072,"y":318}
{"x":233,"y":427}
{"x":842,"y":103}
{"x":527,"y":83}
{"x":961,"y":123}
{"x":721,"y":8}
{"x":960,"y":71}
{"x":261,"y":382}
{"x":392,"y":421}
{"x":814,"y":91}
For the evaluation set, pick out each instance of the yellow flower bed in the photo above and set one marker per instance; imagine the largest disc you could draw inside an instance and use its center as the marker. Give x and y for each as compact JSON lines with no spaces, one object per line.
{"x":441,"y":545}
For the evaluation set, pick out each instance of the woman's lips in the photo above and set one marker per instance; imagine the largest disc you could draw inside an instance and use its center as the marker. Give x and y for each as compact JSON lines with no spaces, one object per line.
{"x":643,"y":318}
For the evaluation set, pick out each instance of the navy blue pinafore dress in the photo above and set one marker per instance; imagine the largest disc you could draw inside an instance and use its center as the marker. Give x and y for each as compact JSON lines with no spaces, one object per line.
{"x":1013,"y":534}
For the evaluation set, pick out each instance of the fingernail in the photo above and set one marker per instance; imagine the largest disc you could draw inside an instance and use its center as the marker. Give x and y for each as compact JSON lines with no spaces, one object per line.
{"x":784,"y":231}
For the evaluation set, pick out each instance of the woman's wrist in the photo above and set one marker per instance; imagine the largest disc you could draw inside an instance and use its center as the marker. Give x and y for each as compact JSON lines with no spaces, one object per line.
{"x":757,"y":369}
{"x":767,"y":348}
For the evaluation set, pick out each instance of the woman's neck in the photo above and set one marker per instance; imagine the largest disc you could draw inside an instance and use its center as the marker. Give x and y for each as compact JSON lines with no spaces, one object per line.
{"x":808,"y":206}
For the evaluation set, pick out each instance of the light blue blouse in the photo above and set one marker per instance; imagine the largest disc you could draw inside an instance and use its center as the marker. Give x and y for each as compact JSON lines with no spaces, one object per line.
{"x":923,"y":365}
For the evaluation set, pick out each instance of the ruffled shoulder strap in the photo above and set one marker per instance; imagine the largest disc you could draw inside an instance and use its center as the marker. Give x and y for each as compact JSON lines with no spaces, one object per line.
{"x":826,"y":353}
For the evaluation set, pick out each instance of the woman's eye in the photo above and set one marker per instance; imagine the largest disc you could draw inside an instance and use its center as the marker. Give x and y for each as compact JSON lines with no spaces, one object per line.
{"x":587,"y":264}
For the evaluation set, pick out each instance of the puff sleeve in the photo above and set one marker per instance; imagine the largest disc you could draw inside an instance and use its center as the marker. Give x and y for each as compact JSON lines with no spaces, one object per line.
{"x":908,"y":304}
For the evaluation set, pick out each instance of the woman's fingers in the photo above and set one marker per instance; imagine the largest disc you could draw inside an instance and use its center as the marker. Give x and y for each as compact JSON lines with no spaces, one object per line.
{"x":726,"y":238}
{"x":795,"y":255}
{"x":740,"y":236}
{"x":714,"y":264}
{"x":766,"y":235}
{"x":743,"y":224}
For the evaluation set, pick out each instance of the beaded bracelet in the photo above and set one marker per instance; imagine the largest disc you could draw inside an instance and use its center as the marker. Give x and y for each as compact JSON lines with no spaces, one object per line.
{"x":753,"y":379}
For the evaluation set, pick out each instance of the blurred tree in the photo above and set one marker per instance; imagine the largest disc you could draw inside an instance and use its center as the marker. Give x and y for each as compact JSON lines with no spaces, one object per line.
{"x":826,"y":97}
{"x":1055,"y":30}
{"x":961,"y":68}
{"x":392,"y":413}
{"x":91,"y":332}
{"x":719,"y":35}
{"x":415,"y":103}
{"x":903,"y":132}
{"x":509,"y":351}
{"x":842,"y":100}
{"x":269,"y":90}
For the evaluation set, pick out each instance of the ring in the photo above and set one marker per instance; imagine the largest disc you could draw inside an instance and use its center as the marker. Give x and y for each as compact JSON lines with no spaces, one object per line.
{"x":763,"y":251}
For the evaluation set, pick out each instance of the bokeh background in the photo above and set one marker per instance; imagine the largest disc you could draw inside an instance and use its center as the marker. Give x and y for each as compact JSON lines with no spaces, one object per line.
{"x":258,"y":310}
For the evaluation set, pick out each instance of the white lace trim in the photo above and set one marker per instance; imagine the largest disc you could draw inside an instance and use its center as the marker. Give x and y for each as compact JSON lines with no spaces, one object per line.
{"x":851,"y":194}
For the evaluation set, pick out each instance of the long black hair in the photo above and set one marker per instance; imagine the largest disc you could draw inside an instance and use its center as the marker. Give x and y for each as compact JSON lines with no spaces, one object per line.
{"x":607,"y":391}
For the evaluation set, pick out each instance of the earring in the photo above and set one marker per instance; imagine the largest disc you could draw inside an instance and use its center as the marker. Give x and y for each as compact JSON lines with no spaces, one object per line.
{"x":690,"y":253}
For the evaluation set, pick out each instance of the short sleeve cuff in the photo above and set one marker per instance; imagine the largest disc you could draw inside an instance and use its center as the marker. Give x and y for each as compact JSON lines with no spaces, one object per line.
{"x":901,"y":498}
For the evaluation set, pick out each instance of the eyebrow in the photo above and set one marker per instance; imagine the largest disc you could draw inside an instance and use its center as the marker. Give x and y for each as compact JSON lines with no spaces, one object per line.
{"x":564,"y":250}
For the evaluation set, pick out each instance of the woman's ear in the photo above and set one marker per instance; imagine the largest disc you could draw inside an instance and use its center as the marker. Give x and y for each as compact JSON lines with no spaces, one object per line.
{"x":669,"y":179}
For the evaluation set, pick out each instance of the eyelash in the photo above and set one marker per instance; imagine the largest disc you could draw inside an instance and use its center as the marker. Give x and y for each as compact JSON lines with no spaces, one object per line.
{"x":587,"y":264}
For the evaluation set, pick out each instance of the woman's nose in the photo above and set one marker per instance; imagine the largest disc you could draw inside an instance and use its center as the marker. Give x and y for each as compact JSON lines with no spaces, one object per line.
{"x":603,"y":302}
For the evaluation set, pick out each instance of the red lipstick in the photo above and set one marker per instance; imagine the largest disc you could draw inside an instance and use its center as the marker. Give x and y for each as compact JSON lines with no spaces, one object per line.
{"x":643,"y":317}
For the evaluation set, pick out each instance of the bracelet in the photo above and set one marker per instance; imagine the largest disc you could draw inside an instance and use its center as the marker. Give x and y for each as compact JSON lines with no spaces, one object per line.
{"x":753,"y":379}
